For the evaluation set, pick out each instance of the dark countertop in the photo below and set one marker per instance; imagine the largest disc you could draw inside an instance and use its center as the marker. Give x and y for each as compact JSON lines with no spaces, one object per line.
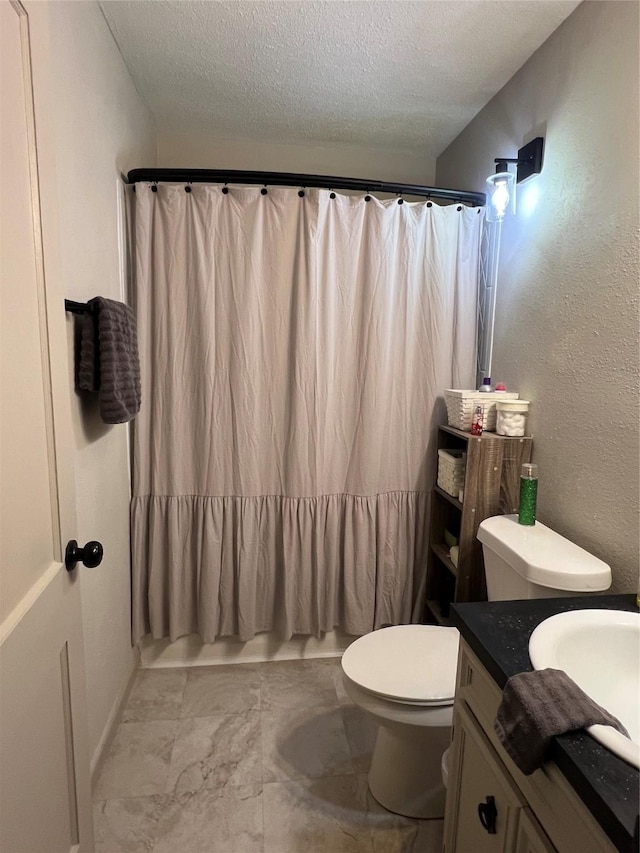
{"x":498,"y":632}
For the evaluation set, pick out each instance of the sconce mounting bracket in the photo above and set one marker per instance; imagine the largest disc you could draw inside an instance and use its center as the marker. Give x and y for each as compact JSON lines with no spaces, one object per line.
{"x":530,"y":159}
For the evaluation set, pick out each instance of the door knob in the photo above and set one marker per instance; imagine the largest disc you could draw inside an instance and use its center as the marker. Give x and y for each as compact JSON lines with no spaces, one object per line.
{"x":90,"y":556}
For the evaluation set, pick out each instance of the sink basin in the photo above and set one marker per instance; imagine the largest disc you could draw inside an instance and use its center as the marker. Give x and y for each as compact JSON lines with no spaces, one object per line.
{"x":600,"y":651}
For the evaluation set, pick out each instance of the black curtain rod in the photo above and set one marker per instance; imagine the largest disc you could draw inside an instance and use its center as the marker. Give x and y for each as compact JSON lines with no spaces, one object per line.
{"x":289,"y":179}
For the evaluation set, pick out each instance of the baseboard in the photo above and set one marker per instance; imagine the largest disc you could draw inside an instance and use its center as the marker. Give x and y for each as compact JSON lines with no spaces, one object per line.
{"x":191,"y":651}
{"x":113,"y":720}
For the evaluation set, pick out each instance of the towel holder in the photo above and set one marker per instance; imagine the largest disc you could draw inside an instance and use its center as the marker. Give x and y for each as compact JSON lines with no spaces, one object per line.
{"x":78,"y":307}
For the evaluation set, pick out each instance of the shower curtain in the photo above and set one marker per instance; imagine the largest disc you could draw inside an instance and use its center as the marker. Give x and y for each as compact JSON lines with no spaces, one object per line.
{"x":293,"y":348}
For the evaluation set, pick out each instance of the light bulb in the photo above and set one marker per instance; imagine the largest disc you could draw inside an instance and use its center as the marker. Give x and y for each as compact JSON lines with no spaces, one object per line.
{"x":499,"y":196}
{"x":500,"y":199}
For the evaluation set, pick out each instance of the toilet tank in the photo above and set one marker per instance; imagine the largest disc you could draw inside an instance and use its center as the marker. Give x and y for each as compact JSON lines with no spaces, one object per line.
{"x":524,"y":561}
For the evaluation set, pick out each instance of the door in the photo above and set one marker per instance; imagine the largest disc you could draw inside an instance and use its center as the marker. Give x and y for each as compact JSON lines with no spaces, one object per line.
{"x":531,"y":837}
{"x":483,"y":804}
{"x":45,"y":804}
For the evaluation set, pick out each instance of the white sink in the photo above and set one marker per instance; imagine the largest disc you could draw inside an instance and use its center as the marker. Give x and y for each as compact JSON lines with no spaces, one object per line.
{"x":600,"y":651}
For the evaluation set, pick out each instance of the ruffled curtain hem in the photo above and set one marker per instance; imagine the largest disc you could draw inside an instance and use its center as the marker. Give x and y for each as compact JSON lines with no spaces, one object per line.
{"x":237,"y":566}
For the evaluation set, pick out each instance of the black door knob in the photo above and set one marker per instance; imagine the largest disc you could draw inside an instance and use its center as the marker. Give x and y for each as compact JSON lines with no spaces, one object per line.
{"x":90,"y":556}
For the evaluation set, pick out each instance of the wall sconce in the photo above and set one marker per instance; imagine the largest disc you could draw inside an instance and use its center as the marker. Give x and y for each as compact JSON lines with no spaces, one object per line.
{"x":500,"y":186}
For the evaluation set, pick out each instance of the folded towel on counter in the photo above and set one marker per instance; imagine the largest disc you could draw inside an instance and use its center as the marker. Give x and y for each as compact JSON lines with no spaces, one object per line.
{"x":538,"y":706}
{"x":108,"y":359}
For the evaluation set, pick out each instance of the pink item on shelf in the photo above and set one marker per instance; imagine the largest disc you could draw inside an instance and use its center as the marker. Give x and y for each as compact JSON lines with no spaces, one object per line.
{"x":476,"y":426}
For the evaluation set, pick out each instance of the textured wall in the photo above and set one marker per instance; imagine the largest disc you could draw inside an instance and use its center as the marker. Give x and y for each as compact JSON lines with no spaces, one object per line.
{"x":201,"y":151}
{"x":102,"y":127}
{"x":567,"y":312}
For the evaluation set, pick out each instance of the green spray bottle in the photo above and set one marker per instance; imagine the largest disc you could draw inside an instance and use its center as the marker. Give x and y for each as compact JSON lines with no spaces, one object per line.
{"x":528,"y":494}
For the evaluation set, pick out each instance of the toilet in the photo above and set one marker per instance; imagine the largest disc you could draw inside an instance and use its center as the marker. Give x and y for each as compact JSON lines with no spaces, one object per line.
{"x":523,"y":561}
{"x":404,"y":676}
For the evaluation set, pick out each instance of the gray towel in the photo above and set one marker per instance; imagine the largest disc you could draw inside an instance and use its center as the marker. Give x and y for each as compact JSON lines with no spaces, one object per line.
{"x":108,"y":359}
{"x":537,"y":706}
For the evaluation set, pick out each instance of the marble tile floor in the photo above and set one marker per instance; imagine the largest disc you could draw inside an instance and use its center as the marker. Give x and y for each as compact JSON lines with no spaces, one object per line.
{"x":247,"y":758}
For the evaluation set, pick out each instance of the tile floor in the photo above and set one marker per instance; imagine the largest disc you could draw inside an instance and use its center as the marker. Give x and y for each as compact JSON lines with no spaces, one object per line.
{"x":248,"y":758}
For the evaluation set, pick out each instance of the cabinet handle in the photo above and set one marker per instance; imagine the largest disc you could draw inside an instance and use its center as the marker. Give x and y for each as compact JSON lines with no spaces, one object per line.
{"x":487,"y":812}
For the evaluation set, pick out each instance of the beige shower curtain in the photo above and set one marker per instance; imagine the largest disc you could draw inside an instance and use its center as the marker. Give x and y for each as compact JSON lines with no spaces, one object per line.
{"x":293,"y":349}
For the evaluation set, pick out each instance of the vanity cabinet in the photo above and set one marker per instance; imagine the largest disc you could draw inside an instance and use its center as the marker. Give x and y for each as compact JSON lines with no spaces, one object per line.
{"x":492,"y":814}
{"x":491,"y":806}
{"x":488,"y":803}
{"x":491,"y":487}
{"x":531,"y":838}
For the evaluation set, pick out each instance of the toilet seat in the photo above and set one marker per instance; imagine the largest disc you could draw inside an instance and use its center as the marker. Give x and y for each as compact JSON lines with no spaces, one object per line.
{"x":408,"y":664}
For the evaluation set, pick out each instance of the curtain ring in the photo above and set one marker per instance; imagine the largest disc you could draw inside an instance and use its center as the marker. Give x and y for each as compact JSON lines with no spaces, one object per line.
{"x":400,"y":199}
{"x":154,"y":187}
{"x":225,"y":189}
{"x":332,"y":194}
{"x":301,"y":193}
{"x":459,"y":207}
{"x":263,"y":191}
{"x":429,"y":204}
{"x":187,"y":189}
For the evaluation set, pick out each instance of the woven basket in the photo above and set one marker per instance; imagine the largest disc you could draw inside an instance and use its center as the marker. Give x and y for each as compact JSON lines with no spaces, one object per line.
{"x":461,"y":406}
{"x":451,"y":470}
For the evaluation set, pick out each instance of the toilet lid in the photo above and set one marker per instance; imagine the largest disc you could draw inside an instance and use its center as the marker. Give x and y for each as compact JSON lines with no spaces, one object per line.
{"x":411,"y":663}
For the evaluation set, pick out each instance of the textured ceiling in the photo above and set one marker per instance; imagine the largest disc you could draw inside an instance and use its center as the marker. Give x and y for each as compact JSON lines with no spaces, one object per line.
{"x":394,"y":73}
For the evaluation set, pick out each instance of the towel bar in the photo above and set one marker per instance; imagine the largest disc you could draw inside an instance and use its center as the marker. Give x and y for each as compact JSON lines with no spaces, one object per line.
{"x":77,"y":307}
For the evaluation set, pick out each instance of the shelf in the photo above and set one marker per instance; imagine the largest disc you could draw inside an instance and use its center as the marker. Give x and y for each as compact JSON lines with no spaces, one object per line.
{"x":441,"y":553}
{"x":436,"y":611}
{"x":491,"y":487}
{"x":460,"y":433}
{"x":448,"y":497}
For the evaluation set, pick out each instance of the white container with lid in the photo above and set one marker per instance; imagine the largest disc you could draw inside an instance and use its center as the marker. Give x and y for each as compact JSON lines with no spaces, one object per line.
{"x":511,"y":417}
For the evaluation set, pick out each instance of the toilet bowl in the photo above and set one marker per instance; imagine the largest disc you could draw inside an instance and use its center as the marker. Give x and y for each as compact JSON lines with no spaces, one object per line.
{"x":404,"y":677}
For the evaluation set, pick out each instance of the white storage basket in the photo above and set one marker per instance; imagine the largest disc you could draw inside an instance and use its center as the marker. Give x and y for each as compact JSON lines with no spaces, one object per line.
{"x":451,"y":470}
{"x":461,"y":406}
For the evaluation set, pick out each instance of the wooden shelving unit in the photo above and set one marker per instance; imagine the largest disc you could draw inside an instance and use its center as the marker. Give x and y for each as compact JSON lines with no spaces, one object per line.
{"x":491,"y":487}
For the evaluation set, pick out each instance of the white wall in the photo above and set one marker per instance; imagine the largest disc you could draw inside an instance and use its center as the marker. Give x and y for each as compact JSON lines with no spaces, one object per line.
{"x":567,"y":311}
{"x":102,"y":128}
{"x":193,"y":150}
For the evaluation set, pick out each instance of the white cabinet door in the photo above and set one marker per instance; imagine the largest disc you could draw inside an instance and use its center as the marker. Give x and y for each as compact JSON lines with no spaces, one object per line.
{"x":531,"y":837}
{"x":45,"y":804}
{"x":483,"y":804}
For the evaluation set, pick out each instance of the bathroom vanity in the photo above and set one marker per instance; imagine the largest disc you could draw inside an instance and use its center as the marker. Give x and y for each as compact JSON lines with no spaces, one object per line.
{"x":583,"y":799}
